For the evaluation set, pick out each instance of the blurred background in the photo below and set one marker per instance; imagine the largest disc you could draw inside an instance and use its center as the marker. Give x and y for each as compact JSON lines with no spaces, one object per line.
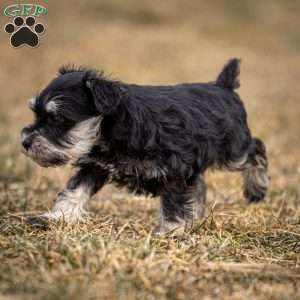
{"x":159,"y":42}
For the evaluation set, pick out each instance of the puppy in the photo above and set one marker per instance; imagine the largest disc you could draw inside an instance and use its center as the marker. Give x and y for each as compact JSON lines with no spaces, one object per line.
{"x":155,"y":140}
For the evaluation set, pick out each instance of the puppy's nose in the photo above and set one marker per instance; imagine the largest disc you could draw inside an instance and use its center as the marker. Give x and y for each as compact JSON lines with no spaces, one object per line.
{"x":27,"y":143}
{"x":26,"y":139}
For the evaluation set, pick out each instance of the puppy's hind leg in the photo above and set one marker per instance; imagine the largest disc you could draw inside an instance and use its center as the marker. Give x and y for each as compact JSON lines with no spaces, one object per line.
{"x":181,"y":206}
{"x":256,"y":180}
{"x":198,"y":196}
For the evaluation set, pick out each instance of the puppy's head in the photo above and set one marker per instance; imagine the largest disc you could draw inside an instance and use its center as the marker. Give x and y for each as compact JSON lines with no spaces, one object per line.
{"x":68,"y":114}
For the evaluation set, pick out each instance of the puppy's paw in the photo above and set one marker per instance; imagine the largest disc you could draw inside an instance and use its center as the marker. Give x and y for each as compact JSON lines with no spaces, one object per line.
{"x":41,"y":222}
{"x":254,"y":197}
{"x":172,"y":229}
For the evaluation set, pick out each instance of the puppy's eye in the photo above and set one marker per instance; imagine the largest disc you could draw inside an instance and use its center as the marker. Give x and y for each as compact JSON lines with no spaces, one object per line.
{"x":55,"y":119}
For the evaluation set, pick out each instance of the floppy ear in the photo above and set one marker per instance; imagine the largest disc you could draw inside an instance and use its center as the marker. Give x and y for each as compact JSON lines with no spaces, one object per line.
{"x":106,"y":95}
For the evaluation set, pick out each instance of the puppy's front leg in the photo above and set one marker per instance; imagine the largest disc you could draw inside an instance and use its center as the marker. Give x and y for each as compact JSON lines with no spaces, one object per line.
{"x":71,"y":202}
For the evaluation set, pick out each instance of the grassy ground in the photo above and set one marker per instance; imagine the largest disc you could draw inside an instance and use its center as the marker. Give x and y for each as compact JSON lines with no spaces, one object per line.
{"x":238,"y":251}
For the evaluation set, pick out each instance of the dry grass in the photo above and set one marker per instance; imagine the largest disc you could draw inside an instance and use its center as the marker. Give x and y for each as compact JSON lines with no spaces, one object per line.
{"x":237,"y":251}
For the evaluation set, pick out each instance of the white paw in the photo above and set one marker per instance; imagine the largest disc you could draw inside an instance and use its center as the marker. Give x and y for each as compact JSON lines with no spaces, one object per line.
{"x":172,"y":228}
{"x":67,"y":211}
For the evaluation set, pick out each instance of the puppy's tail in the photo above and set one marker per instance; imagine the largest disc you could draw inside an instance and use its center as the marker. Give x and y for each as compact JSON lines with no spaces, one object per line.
{"x":229,"y":77}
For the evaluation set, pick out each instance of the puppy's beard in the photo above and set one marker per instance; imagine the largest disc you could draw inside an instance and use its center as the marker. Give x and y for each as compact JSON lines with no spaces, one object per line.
{"x":78,"y":143}
{"x":45,"y":154}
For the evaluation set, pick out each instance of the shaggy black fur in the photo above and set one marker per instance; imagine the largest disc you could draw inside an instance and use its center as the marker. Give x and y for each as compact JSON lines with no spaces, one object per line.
{"x":155,"y":140}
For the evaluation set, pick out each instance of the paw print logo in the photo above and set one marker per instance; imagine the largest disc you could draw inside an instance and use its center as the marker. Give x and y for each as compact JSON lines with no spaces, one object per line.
{"x":24,"y":32}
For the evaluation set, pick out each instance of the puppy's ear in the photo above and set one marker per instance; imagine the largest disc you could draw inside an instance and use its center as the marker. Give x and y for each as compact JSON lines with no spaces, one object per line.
{"x":106,"y":94}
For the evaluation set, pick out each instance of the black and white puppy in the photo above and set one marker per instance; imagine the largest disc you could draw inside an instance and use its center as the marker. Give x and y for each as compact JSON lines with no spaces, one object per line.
{"x":156,"y":140}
